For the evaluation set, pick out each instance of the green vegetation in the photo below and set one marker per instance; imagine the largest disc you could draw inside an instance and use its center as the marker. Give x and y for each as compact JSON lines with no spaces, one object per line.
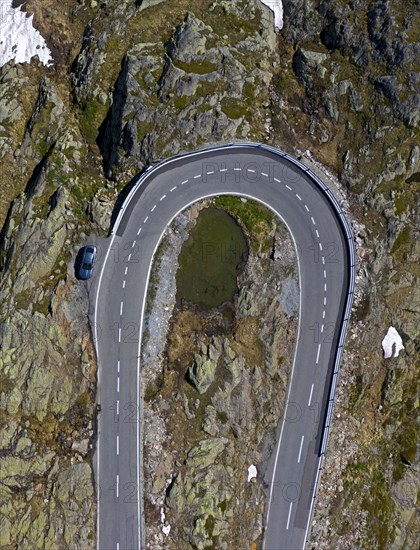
{"x":234,"y":108}
{"x":210,"y":258}
{"x":255,"y":217}
{"x":91,"y":118}
{"x":203,"y":66}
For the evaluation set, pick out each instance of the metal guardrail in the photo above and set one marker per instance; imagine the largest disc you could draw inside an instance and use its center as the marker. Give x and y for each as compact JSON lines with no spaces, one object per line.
{"x":351,"y":257}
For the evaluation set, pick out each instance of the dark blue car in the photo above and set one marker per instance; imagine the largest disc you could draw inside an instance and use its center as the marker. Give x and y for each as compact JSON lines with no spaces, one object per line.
{"x":88,"y":261}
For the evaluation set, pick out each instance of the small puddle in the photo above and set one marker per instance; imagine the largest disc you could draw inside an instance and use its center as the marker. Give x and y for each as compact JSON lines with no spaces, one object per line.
{"x":210,"y":260}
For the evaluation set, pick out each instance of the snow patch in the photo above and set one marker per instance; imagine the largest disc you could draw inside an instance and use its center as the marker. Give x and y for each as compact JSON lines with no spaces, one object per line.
{"x":392,"y":338}
{"x":166,"y":529}
{"x":19,"y":40}
{"x":252,"y":472}
{"x":276,"y":6}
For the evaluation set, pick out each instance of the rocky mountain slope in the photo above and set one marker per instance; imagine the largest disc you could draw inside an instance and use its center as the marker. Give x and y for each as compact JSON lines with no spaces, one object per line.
{"x":134,"y":81}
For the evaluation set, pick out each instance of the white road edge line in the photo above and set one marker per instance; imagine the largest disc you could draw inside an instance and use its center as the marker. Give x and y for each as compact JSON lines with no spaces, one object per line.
{"x":290,"y":513}
{"x":310,"y":395}
{"x":300,"y":449}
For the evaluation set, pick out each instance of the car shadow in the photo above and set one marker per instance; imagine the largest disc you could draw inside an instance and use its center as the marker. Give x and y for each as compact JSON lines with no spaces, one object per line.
{"x":78,"y":263}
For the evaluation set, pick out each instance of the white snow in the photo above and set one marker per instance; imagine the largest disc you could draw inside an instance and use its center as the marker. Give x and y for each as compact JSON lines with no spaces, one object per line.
{"x":166,"y":530}
{"x":392,"y":338}
{"x":19,"y":40}
{"x":252,"y":472}
{"x":277,"y":7}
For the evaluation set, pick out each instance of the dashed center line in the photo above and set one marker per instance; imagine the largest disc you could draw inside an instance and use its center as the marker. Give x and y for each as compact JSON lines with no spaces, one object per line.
{"x":210,"y":172}
{"x":277,"y":180}
{"x":310,"y":395}
{"x":197,"y":176}
{"x":300,"y":198}
{"x":173,"y":189}
{"x":145,"y":219}
{"x":118,"y":486}
{"x":223,"y":169}
{"x":325,"y":301}
{"x":162,"y":197}
{"x":154,"y":206}
{"x":306,"y":207}
{"x":119,"y":334}
{"x":317,"y":355}
{"x":289,"y":188}
{"x":250,"y":170}
{"x":139,"y":231}
{"x":312,"y":220}
{"x":129,"y":257}
{"x":134,"y":244}
{"x":322,"y":328}
{"x":323,"y":314}
{"x":118,"y":407}
{"x":325,"y":274}
{"x":184,"y":182}
{"x":320,"y":246}
{"x":264,"y":174}
{"x":126,"y":270}
{"x":118,"y":384}
{"x":300,"y":449}
{"x":118,"y":445}
{"x":290,"y":513}
{"x":323,"y":260}
{"x":118,"y":366}
{"x":237,"y":169}
{"x":317,"y":233}
{"x":121,"y":308}
{"x":124,"y":283}
{"x":325,"y":287}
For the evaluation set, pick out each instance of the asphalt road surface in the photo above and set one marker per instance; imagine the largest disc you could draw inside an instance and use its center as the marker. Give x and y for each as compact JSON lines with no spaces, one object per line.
{"x":326,"y":272}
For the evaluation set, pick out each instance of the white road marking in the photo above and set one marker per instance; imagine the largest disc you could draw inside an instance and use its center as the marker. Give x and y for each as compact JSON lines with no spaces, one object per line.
{"x":325,"y":274}
{"x":197,"y":176}
{"x":300,"y":198}
{"x":121,"y":307}
{"x":145,"y":219}
{"x":118,"y":366}
{"x":290,"y":512}
{"x":139,"y":231}
{"x":317,"y":355}
{"x":119,"y":334}
{"x":325,"y":287}
{"x":323,"y":314}
{"x":173,"y":189}
{"x":325,"y":301}
{"x":118,"y":546}
{"x":310,"y":396}
{"x":162,"y":197}
{"x":322,"y":329}
{"x":223,"y":169}
{"x":118,"y":485}
{"x":313,"y":221}
{"x":264,"y":174}
{"x":118,"y":407}
{"x":237,"y":169}
{"x":306,"y":206}
{"x":277,"y":180}
{"x":323,"y":260}
{"x":209,"y":173}
{"x":317,"y":233}
{"x":184,"y":182}
{"x":124,"y":283}
{"x":300,"y":450}
{"x":153,"y":208}
{"x":134,"y":244}
{"x":126,"y":271}
{"x":249,"y":170}
{"x":118,"y":444}
{"x":118,"y":384}
{"x":289,"y":188}
{"x":320,"y":247}
{"x":129,"y":257}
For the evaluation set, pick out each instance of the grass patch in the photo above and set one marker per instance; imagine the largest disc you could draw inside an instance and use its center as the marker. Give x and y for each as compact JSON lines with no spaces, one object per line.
{"x":233,"y":108}
{"x":198,"y":66}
